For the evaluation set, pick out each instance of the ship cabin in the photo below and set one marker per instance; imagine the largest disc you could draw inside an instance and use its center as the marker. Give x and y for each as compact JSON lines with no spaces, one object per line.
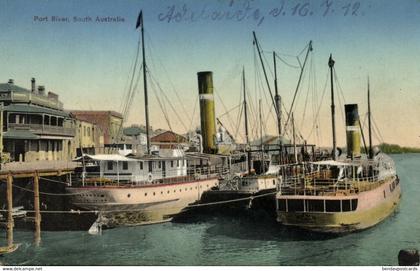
{"x":116,"y":168}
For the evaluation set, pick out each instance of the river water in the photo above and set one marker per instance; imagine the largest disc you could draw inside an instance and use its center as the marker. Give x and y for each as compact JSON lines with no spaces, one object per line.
{"x":233,"y":241}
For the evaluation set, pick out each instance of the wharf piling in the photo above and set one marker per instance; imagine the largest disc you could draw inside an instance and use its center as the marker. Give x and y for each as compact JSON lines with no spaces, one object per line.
{"x":34,"y":174}
{"x":36,"y":209}
{"x":10,"y":222}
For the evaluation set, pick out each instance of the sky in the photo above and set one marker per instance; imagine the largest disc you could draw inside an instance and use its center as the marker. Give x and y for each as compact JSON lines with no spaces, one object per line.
{"x":89,"y":63}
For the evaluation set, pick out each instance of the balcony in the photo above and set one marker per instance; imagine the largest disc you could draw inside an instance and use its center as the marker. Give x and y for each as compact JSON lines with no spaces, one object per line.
{"x":40,"y":129}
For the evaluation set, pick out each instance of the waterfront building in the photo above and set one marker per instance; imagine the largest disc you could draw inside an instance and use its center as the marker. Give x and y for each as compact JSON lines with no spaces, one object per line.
{"x":168,"y":140}
{"x":89,"y":138}
{"x":35,"y":126}
{"x":108,"y":121}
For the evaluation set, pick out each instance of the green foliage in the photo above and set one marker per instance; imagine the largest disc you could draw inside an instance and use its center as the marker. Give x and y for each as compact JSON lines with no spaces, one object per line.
{"x":394,"y":148}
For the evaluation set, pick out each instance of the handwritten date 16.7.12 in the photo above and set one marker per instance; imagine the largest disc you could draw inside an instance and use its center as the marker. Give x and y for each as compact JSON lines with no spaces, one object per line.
{"x":251,"y":10}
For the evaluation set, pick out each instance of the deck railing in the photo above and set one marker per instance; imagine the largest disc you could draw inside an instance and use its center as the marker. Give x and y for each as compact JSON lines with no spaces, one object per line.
{"x":318,"y":183}
{"x":128,"y":179}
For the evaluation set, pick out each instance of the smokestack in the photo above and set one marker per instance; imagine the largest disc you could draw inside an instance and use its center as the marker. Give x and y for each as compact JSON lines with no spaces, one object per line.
{"x":11,"y":81}
{"x":352,"y":130}
{"x":41,"y":90}
{"x":207,"y":115}
{"x":33,"y":87}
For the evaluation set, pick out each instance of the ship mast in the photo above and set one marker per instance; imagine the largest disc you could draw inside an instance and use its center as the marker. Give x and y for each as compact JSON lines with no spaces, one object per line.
{"x":277,"y":99}
{"x":146,"y":101}
{"x":369,"y":123}
{"x":331,"y":65}
{"x":246,"y":123}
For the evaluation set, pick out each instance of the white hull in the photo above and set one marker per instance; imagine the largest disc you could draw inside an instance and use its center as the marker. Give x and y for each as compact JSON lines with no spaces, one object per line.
{"x":130,"y":205}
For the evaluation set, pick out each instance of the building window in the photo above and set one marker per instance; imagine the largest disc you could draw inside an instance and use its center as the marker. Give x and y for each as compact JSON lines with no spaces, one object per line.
{"x":172,"y":163}
{"x":177,"y":163}
{"x":160,"y":164}
{"x":88,"y":131}
{"x":84,"y":130}
{"x":125,"y":165}
{"x":141,"y":165}
{"x":110,"y":165}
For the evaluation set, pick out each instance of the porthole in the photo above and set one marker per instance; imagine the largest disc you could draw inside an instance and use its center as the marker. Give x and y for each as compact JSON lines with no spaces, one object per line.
{"x":128,"y":195}
{"x":145,"y":194}
{"x":180,"y":190}
{"x":154,"y":193}
{"x":168,"y":192}
{"x":161,"y":192}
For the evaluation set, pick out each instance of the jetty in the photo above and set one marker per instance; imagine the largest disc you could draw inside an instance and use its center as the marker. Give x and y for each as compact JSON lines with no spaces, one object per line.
{"x":13,"y":173}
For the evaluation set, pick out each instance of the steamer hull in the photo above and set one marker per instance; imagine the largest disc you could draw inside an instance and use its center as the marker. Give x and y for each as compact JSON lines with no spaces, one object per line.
{"x":140,"y":205}
{"x":372,"y":208}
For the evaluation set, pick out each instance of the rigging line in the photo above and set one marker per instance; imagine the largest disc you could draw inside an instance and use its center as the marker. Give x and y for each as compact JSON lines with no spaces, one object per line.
{"x":169,"y":79}
{"x":257,"y":46}
{"x":266,"y":61}
{"x":341,"y":99}
{"x":162,"y":107}
{"x":341,"y":92}
{"x":126,"y":90}
{"x":193,"y":114}
{"x":131,"y":82}
{"x":286,"y":63}
{"x":303,"y":50}
{"x":314,"y":91}
{"x":378,"y":131}
{"x":341,"y":108}
{"x":298,"y":84}
{"x":241,"y":101}
{"x":320,"y":104}
{"x":231,"y":122}
{"x":230,"y":110}
{"x":169,"y":102}
{"x":306,"y":99}
{"x":131,"y":98}
{"x":238,"y":126}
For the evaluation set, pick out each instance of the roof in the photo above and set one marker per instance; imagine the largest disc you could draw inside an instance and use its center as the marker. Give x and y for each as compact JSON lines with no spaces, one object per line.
{"x":96,"y":112}
{"x":20,"y":134}
{"x":168,"y":137}
{"x":105,"y":157}
{"x":26,"y":108}
{"x":8,"y":87}
{"x":269,"y":139}
{"x":332,"y":163}
{"x":133,"y":131}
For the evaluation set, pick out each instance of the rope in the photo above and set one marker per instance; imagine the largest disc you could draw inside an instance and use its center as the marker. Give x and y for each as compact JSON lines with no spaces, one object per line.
{"x":161,"y":105}
{"x":167,"y":99}
{"x":319,"y":107}
{"x":143,"y":210}
{"x":54,"y":181}
{"x":151,"y":47}
{"x":49,"y":194}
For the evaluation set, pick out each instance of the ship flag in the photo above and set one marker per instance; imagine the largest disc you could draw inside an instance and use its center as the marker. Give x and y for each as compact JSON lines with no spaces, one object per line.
{"x":139,"y":19}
